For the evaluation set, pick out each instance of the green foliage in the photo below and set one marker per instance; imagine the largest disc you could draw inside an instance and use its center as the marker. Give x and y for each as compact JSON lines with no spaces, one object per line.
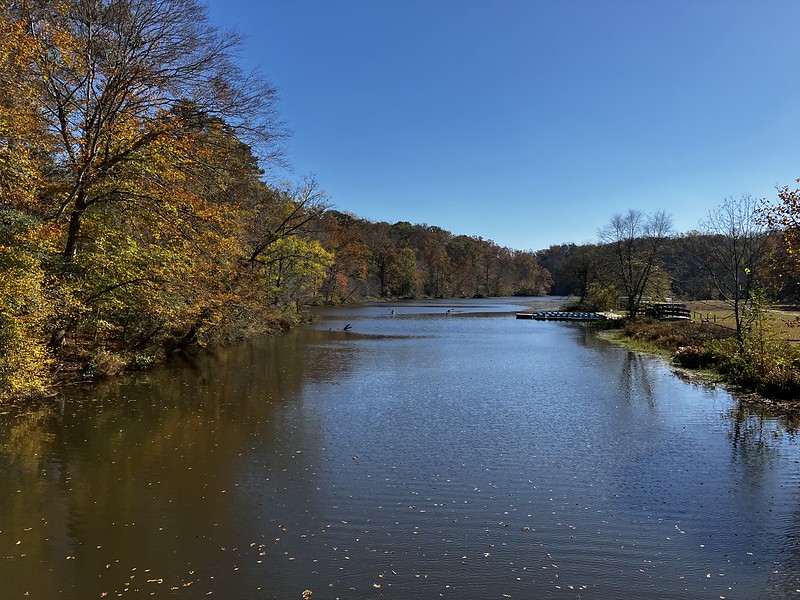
{"x":600,"y":297}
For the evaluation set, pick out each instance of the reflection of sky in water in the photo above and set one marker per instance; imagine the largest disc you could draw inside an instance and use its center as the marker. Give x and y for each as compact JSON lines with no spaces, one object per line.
{"x":415,"y":457}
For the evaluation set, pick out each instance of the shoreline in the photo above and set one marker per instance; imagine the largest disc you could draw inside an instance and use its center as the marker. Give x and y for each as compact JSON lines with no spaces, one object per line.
{"x":788,"y":409}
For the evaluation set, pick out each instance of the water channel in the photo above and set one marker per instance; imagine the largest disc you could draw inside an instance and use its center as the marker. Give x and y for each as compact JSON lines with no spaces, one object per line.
{"x":446,"y":450}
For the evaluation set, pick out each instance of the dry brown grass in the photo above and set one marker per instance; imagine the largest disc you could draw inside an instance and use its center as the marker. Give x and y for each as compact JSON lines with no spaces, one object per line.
{"x":769,"y":365}
{"x":671,"y":335}
{"x":783,"y":321}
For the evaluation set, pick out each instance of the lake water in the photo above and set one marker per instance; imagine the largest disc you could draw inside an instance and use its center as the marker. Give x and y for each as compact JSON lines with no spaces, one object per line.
{"x":418,"y":455}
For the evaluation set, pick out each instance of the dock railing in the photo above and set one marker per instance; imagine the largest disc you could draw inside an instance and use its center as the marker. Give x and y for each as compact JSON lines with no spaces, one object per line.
{"x":669,"y":311}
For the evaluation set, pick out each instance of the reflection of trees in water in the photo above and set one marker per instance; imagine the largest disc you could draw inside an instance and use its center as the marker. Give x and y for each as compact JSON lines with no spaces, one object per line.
{"x":635,"y":379}
{"x":588,"y":338}
{"x":788,"y":581}
{"x":757,"y":434}
{"x":148,"y":469}
{"x":760,"y":454}
{"x":753,"y":436}
{"x":757,"y":438}
{"x":26,"y":437}
{"x":26,"y":442}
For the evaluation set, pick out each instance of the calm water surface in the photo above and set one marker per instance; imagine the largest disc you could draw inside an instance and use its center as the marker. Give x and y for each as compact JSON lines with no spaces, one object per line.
{"x":416,"y":455}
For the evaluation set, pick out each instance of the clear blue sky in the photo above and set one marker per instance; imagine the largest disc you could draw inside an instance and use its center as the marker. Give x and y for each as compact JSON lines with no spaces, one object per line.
{"x":531,"y":122}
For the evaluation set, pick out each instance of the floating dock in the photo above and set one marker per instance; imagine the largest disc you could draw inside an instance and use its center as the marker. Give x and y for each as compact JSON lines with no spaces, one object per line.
{"x":559,"y":315}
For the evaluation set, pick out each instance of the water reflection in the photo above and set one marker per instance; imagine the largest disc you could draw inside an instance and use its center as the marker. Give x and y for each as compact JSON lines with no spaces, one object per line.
{"x":754,"y":436}
{"x":635,"y":379}
{"x":26,"y":437}
{"x":419,"y":456}
{"x":147,"y":460}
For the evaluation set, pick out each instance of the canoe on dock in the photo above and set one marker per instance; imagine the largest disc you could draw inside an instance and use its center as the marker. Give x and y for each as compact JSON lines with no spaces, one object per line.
{"x":559,"y":315}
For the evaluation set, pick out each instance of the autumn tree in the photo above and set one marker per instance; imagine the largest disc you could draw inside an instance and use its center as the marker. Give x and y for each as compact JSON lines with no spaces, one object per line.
{"x":435,"y":262}
{"x":25,"y":309}
{"x":403,"y":278}
{"x":635,"y":240}
{"x":736,"y":253}
{"x":381,"y":250}
{"x":24,"y":143}
{"x":782,"y":279}
{"x":26,"y":305}
{"x":288,"y":212}
{"x":496,"y":268}
{"x":783,"y":217}
{"x":343,"y":235}
{"x":554,"y":259}
{"x":529,"y":277}
{"x":151,"y":124}
{"x":112,"y":77}
{"x":467,"y":267}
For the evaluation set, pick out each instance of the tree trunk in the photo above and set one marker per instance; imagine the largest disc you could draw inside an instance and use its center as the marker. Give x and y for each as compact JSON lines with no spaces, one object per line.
{"x":74,"y":229}
{"x":71,"y":247}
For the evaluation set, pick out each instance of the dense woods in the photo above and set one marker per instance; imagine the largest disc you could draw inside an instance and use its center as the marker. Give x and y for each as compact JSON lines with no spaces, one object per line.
{"x":688,"y":266}
{"x":140,"y":216}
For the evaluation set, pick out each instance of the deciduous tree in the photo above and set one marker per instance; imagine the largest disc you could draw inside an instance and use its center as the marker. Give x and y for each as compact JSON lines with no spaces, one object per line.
{"x":635,"y":239}
{"x":736,"y":253}
{"x":112,"y":78}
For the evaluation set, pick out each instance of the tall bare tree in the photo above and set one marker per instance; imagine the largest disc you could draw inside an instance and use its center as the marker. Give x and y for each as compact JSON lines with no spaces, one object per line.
{"x":636,"y":240}
{"x":737,"y":252}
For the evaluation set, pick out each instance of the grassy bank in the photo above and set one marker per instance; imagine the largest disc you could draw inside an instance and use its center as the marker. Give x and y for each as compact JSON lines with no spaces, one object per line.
{"x":781,"y":321}
{"x":762,"y":362}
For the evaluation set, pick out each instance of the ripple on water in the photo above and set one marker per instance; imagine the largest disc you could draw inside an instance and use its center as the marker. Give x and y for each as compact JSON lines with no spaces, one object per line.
{"x":420,"y":455}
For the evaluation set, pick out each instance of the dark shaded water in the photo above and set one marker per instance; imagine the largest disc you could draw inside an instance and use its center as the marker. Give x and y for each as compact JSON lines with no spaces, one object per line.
{"x":420,"y":455}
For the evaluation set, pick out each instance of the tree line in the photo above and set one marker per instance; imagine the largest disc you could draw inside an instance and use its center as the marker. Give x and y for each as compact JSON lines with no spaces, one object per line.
{"x":405,"y":260}
{"x":743,"y":246}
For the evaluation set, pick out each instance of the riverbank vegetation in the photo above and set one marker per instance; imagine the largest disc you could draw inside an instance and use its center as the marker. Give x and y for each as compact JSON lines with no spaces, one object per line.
{"x":140,"y":216}
{"x":744,"y":259}
{"x":765,"y":364}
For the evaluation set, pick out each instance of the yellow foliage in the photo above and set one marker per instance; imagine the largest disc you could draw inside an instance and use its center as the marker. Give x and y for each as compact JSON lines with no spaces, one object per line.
{"x":24,"y":311}
{"x":22,"y":135}
{"x":132,"y":210}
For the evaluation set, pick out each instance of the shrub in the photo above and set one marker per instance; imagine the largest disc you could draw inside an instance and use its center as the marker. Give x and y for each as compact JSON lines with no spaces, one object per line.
{"x":767,"y":366}
{"x":694,"y":357}
{"x":104,"y":363}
